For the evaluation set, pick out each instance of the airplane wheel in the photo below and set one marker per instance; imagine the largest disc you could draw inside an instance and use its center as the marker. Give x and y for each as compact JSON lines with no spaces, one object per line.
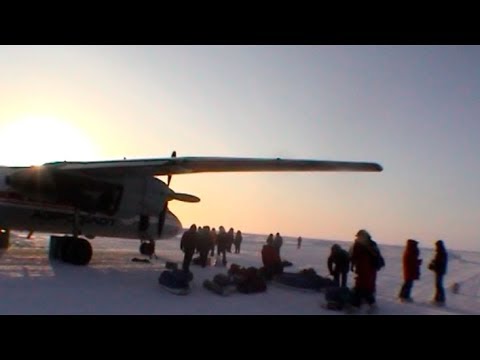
{"x":64,"y":246}
{"x":70,"y":250}
{"x":76,"y":251}
{"x":4,"y":238}
{"x":147,"y":248}
{"x":81,"y":251}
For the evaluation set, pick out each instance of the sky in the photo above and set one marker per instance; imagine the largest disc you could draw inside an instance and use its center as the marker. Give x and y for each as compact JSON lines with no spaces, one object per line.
{"x":413,"y":109}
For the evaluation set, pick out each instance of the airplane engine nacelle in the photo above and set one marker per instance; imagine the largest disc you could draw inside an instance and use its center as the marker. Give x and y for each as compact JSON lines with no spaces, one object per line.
{"x":78,"y":190}
{"x":143,"y":196}
{"x":156,"y":194}
{"x":143,"y":201}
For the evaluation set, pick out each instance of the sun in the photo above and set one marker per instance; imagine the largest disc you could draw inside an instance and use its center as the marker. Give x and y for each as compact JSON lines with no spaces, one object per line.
{"x":37,"y":140}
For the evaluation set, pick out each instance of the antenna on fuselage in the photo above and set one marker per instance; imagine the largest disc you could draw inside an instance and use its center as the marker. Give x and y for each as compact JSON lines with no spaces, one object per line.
{"x":174,"y":154}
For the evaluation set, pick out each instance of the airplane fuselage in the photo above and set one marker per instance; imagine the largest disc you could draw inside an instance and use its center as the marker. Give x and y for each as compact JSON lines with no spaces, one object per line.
{"x":118,"y":198}
{"x":18,"y":212}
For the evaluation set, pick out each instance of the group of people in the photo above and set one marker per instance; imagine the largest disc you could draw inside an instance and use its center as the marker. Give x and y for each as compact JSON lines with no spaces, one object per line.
{"x":411,"y":270}
{"x":204,"y":240}
{"x":276,"y":242}
{"x":365,"y":259}
{"x":272,"y":262}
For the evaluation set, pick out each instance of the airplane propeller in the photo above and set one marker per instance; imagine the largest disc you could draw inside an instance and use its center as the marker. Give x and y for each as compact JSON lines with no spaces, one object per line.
{"x":179,"y":196}
{"x":172,"y":195}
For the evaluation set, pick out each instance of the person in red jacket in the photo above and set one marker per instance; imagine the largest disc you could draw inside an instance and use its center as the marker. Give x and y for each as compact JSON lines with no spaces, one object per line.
{"x":272,"y":262}
{"x":411,"y":269}
{"x":363,"y":258}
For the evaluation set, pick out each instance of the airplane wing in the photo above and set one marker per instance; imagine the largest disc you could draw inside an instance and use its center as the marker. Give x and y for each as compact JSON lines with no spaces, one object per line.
{"x":189,"y":165}
{"x":88,"y":186}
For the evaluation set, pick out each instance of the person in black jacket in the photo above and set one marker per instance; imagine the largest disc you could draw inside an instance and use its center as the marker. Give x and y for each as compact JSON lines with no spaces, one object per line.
{"x":338,"y":265}
{"x":277,"y":243}
{"x":230,"y":239}
{"x":439,"y":266}
{"x":238,"y":241}
{"x":188,"y":245}
{"x":204,"y":245}
{"x":222,"y":244}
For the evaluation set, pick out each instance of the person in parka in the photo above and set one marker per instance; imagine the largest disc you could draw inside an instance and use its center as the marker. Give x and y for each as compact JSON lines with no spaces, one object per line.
{"x":277,"y":243}
{"x":272,"y":263}
{"x":213,"y":241}
{"x":230,"y":239}
{"x":411,"y":269}
{"x":188,"y":245}
{"x":222,"y":244}
{"x":439,"y":266}
{"x":364,"y":258}
{"x":338,"y":265}
{"x":238,"y":241}
{"x":204,"y":245}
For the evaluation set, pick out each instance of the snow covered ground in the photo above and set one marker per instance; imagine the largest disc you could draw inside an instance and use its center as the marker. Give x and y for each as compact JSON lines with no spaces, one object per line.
{"x":113,"y":284}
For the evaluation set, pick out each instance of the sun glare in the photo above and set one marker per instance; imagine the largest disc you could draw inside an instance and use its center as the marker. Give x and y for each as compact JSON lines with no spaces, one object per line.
{"x":37,"y":140}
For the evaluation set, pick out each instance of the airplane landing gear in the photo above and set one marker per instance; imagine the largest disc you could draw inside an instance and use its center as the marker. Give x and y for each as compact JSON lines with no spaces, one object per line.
{"x":70,"y":249}
{"x":4,"y":238}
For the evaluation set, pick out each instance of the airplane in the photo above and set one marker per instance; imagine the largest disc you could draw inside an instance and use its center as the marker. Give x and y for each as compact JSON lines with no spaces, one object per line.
{"x":118,"y":198}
